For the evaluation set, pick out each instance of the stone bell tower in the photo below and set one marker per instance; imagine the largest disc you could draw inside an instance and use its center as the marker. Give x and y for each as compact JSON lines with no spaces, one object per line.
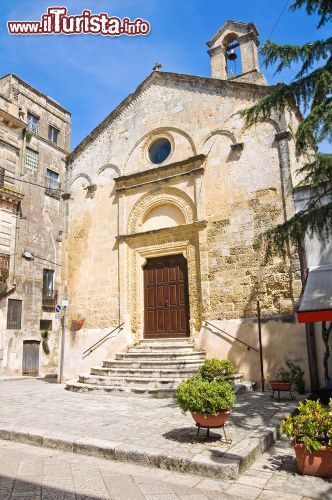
{"x":222,"y":46}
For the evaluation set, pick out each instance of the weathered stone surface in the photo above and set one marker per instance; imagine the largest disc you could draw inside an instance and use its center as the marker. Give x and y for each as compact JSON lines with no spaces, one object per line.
{"x":68,"y":476}
{"x":149,"y":432}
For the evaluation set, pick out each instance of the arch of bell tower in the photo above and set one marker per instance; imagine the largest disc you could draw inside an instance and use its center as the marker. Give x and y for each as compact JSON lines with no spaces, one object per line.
{"x":244,"y":35}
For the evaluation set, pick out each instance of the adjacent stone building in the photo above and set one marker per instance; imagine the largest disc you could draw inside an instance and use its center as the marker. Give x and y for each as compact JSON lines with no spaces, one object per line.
{"x":34,"y":143}
{"x":164,"y":200}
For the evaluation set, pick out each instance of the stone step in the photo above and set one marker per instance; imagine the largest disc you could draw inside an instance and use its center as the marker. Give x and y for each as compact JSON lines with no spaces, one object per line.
{"x":174,"y":340}
{"x":162,"y":355}
{"x":242,"y":387}
{"x":163,"y":382}
{"x":160,"y":349}
{"x":143,"y":372}
{"x":175,"y":364}
{"x":156,"y":392}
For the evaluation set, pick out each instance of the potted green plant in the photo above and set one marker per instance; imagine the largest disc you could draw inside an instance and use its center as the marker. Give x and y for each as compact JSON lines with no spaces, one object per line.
{"x":215,"y":368}
{"x":283,"y":380}
{"x":207,"y":395}
{"x":310,"y":431}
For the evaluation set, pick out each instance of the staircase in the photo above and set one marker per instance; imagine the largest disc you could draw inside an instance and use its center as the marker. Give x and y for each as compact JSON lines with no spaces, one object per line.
{"x":153,"y":368}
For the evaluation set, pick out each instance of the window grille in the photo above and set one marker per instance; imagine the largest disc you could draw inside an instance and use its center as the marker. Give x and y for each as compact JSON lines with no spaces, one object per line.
{"x":14,"y":314}
{"x":52,"y":184}
{"x":31,"y":159}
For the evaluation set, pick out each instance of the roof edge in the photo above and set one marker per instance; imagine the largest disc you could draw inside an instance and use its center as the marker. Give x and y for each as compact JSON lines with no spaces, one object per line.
{"x":38,"y":92}
{"x":163,"y":76}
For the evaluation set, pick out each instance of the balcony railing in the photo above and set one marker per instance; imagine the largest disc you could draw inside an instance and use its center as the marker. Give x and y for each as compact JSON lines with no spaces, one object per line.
{"x":50,"y":297}
{"x":52,"y":188}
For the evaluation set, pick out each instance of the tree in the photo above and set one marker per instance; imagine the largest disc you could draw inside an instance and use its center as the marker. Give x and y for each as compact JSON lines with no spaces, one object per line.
{"x":310,"y":91}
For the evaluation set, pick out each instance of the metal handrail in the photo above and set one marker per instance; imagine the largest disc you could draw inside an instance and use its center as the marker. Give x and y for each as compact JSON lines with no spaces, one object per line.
{"x":226,"y":333}
{"x":95,"y":346}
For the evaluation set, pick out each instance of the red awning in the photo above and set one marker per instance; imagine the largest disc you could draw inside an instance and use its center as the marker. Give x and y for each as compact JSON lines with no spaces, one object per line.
{"x":316,"y":301}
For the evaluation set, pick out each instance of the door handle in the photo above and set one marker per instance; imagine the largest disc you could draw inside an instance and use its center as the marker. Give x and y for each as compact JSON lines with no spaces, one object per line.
{"x":166,"y":303}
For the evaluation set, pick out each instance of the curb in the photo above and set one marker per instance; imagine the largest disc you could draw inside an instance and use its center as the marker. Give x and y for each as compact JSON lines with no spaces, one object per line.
{"x":221,"y":465}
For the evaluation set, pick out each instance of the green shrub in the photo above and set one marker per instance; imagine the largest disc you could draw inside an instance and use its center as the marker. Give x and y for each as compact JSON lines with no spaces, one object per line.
{"x":44,"y":334}
{"x":215,"y":368}
{"x":311,"y":426}
{"x":203,"y":396}
{"x":297,"y":376}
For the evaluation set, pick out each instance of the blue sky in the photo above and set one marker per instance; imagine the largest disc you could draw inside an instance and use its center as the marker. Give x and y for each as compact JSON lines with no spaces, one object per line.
{"x":90,"y":75}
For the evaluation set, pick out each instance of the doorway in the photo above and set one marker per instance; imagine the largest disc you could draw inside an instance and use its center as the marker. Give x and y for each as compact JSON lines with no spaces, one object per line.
{"x":31,"y":358}
{"x":166,"y":297}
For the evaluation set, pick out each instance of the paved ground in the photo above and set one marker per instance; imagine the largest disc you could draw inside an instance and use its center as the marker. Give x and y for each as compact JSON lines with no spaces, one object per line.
{"x":155,"y":423}
{"x":31,"y":473}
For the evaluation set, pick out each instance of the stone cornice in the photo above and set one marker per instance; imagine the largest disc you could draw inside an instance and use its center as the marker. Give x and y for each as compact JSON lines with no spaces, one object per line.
{"x":162,"y":77}
{"x":284,"y":135}
{"x":185,"y":229}
{"x":189,"y":166}
{"x":247,"y":37}
{"x":10,"y":120}
{"x":9,"y":195}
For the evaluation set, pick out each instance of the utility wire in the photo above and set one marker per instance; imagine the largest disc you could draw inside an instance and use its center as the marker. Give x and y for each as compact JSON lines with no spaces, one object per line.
{"x":277,"y":21}
{"x":32,"y":183}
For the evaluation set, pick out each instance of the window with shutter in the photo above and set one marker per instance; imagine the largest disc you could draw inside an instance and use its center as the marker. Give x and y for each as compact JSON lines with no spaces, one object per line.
{"x":14,"y":314}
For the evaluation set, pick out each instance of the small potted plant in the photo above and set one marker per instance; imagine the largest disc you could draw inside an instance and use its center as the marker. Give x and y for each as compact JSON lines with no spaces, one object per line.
{"x":283,"y":381}
{"x":310,"y":431}
{"x":208,"y":396}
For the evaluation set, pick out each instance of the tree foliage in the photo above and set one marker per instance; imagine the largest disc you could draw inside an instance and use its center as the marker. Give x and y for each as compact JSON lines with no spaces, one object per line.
{"x":310,"y":91}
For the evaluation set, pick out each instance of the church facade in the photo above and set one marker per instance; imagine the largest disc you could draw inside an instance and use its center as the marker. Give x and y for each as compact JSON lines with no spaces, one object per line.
{"x":164,"y":200}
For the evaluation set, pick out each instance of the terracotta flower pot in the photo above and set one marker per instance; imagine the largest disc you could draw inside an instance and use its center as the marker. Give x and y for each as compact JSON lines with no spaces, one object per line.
{"x":318,"y":463}
{"x":206,"y":420}
{"x":277,"y":385}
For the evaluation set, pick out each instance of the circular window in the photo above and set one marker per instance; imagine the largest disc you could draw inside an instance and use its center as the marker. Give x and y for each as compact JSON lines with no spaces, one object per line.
{"x":159,"y":151}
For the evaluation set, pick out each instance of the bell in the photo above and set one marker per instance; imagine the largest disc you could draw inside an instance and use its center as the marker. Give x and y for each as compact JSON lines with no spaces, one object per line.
{"x":231,"y":55}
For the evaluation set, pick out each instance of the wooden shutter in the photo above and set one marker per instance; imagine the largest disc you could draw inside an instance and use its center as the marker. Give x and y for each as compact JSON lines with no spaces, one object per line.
{"x":14,"y":313}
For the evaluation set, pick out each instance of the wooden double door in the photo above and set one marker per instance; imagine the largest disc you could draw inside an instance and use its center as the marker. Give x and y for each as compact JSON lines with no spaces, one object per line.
{"x":166,"y":297}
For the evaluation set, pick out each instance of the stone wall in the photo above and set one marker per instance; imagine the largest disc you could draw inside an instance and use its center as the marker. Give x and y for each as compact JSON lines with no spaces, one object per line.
{"x":37,"y":225}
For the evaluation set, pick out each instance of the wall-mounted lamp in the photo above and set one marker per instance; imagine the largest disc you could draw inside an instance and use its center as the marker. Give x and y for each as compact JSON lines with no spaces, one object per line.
{"x":27,"y":255}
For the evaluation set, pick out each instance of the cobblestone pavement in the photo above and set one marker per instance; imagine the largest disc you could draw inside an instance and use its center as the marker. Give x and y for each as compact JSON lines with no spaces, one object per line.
{"x":31,"y":473}
{"x":157,"y":424}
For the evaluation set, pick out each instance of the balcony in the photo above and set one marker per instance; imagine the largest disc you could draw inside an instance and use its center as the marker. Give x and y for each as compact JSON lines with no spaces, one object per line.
{"x":50,"y":298}
{"x":52,"y":188}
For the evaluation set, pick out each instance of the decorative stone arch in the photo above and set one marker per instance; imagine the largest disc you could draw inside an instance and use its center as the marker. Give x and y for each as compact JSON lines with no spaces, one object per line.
{"x":157,"y":197}
{"x":111,"y":167}
{"x":224,"y":132}
{"x":81,"y":175}
{"x":105,"y":175}
{"x":271,"y":121}
{"x":156,"y":134}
